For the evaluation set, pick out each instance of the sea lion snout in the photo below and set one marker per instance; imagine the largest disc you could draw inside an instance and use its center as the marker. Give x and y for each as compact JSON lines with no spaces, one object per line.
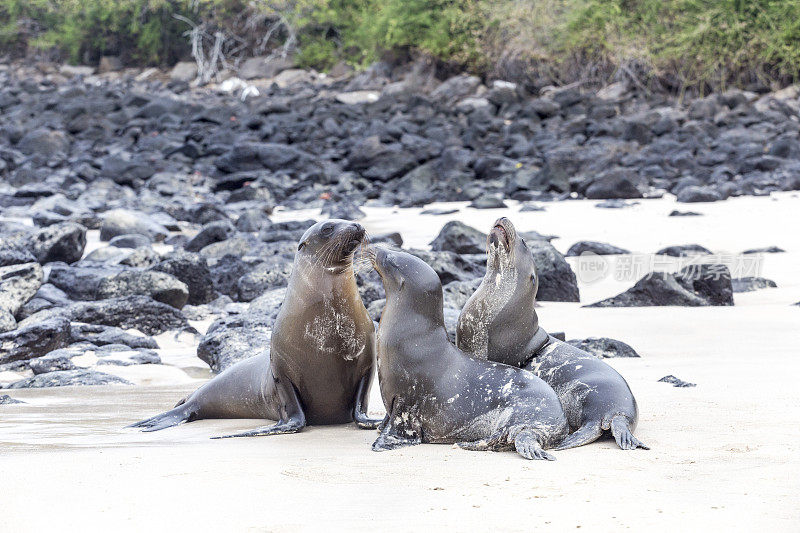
{"x":354,"y":237}
{"x":502,"y":232}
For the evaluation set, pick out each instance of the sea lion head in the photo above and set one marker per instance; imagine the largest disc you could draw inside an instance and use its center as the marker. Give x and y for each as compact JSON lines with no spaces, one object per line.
{"x":499,"y":319}
{"x":510,"y":259}
{"x":332,"y":243}
{"x":406,"y":274}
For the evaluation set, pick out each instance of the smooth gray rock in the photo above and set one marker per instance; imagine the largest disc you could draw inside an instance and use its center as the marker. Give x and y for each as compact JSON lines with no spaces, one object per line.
{"x":159,"y":286}
{"x":125,"y":222}
{"x":65,"y":378}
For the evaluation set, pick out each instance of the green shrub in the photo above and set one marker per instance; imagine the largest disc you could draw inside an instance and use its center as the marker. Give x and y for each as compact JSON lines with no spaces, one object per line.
{"x":693,"y":42}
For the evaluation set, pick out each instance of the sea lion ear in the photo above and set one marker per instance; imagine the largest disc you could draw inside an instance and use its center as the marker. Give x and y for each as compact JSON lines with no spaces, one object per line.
{"x":402,"y":283}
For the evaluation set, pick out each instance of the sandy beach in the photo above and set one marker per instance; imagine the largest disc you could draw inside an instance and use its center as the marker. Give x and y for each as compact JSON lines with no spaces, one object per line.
{"x":724,"y":454}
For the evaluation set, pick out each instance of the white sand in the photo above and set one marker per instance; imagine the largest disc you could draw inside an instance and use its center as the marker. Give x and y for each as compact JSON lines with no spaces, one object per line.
{"x":725,"y":454}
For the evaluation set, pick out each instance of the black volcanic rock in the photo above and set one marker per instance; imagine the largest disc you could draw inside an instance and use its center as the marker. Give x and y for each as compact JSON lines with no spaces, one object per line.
{"x":557,"y":281}
{"x":65,"y":378}
{"x":459,"y":238}
{"x":140,"y":312}
{"x":749,"y":284}
{"x":599,"y":248}
{"x":34,"y":339}
{"x":696,"y":285}
{"x":604,"y":347}
{"x":683,"y":250}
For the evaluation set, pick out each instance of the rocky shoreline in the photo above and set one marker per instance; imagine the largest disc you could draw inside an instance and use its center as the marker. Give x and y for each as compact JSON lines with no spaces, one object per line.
{"x":179,"y":183}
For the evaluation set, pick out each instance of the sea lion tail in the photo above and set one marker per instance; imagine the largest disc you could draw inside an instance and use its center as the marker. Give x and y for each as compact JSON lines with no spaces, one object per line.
{"x":585,"y":434}
{"x":173,"y":417}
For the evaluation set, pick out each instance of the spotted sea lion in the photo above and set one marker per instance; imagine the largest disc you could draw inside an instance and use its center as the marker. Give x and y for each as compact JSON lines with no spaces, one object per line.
{"x":435,"y":393}
{"x":499,"y":323}
{"x":319,"y":369}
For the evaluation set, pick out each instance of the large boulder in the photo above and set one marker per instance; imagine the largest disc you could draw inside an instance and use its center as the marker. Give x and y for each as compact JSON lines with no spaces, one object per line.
{"x":34,"y":339}
{"x":44,"y":142}
{"x":748,"y":284}
{"x":456,"y":293}
{"x":15,"y":255}
{"x":101,"y":335}
{"x":594,"y":247}
{"x":604,"y":347}
{"x":226,"y":345}
{"x":655,"y":289}
{"x":257,"y":156}
{"x":159,"y":286}
{"x":614,"y":183}
{"x":59,"y":242}
{"x":709,"y":281}
{"x":192,"y":269}
{"x":694,"y":194}
{"x":212,"y":232}
{"x":18,"y":284}
{"x":557,"y":281}
{"x":684,"y":250}
{"x":265,"y":276}
{"x":457,"y":237}
{"x":139,"y":312}
{"x":695,"y":285}
{"x":125,"y":222}
{"x":451,"y":266}
{"x":80,"y":282}
{"x":65,"y":378}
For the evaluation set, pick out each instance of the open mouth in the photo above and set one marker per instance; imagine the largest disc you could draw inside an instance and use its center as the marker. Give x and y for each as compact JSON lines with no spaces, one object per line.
{"x":500,"y":235}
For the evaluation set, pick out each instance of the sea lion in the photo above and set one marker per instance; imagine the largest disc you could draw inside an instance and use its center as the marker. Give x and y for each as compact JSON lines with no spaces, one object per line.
{"x":435,"y":393}
{"x":499,"y":323}
{"x":319,"y":370}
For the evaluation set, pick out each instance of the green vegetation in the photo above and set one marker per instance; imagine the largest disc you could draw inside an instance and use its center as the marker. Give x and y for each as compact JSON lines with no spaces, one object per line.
{"x":684,"y":43}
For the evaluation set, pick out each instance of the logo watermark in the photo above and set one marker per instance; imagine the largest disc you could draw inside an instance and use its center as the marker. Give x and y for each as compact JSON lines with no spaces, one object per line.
{"x":592,"y":268}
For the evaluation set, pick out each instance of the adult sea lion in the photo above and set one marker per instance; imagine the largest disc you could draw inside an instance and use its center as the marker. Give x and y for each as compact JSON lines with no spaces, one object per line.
{"x":435,"y":393}
{"x":319,"y":369}
{"x":499,"y":323}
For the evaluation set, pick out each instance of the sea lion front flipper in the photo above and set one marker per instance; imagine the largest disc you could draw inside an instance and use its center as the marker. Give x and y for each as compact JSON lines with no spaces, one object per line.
{"x":401,"y":429}
{"x":292,"y":420}
{"x":362,"y":397}
{"x":623,"y":435}
{"x":585,"y":434}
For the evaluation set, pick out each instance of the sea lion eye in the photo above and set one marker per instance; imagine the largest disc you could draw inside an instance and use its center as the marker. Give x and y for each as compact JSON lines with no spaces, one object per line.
{"x":327,"y":230}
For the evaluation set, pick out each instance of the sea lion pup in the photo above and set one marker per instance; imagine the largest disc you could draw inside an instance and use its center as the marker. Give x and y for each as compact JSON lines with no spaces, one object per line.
{"x":435,"y":393}
{"x":319,"y":369}
{"x":499,"y":323}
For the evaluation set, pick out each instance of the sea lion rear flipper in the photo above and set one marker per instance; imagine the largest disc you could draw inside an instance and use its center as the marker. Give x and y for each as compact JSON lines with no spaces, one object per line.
{"x":401,"y":429}
{"x":585,"y":434}
{"x":173,"y":417}
{"x":292,"y":420}
{"x":623,"y":435}
{"x":528,"y":446}
{"x":360,"y":416}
